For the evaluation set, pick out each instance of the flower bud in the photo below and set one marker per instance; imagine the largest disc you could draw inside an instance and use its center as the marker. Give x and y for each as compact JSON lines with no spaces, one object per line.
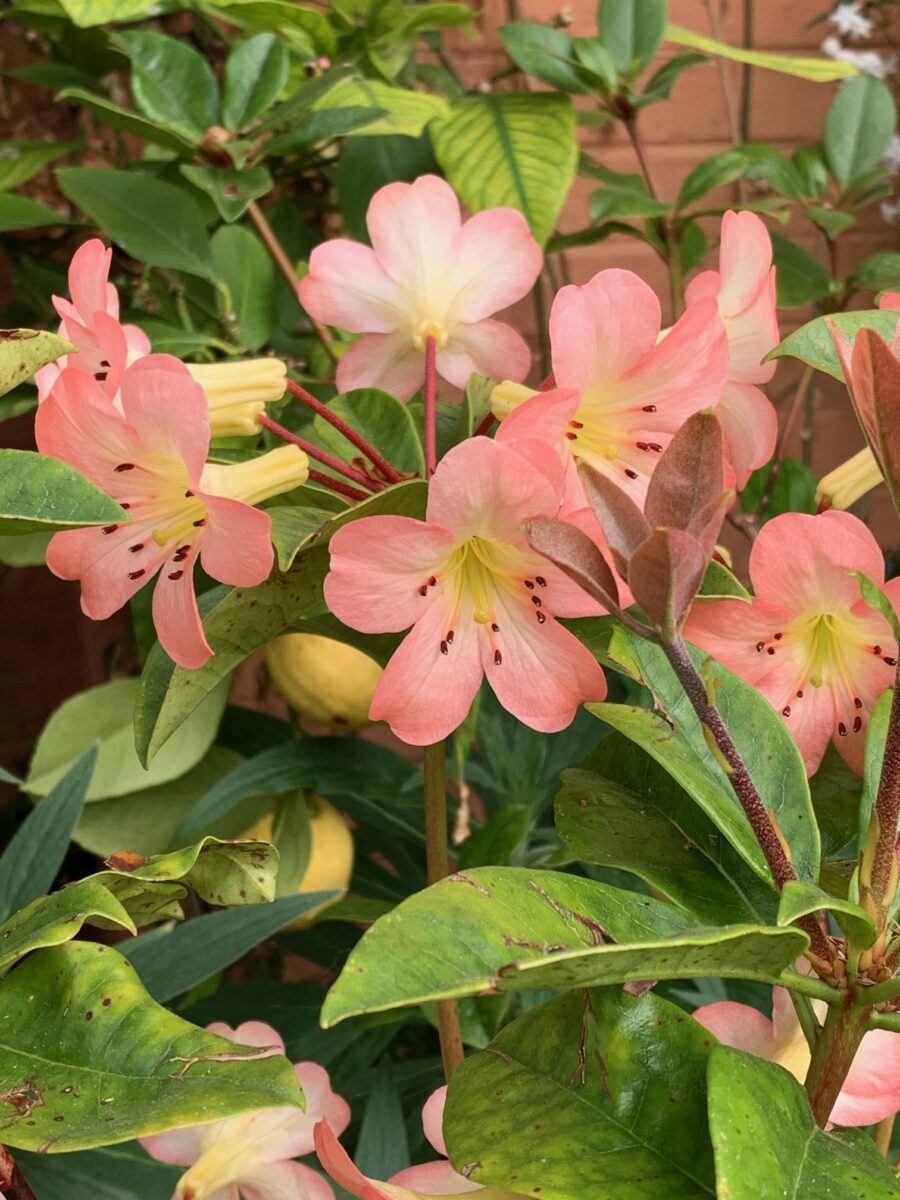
{"x":508,"y":395}
{"x":238,"y":392}
{"x":843,"y":486}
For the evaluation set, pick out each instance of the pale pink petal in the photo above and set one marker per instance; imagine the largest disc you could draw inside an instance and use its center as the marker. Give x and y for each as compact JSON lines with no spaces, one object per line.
{"x":378,"y":566}
{"x":337,"y":1162}
{"x":111,"y":572}
{"x":871,"y":1090}
{"x":250,"y":1033}
{"x":752,"y":333}
{"x":433,"y":1119}
{"x":88,"y":275}
{"x":426,"y":691}
{"x":322,"y":1104}
{"x":705,"y":286}
{"x":285,"y":1181}
{"x":484,"y":488}
{"x":47,"y":376}
{"x":388,"y":361}
{"x":540,"y":673}
{"x":434,"y":1179}
{"x":413,"y":228}
{"x":889,"y":301}
{"x":180,"y":1147}
{"x":236,"y":546}
{"x":745,"y":259}
{"x":112,"y":352}
{"x":496,"y":261}
{"x":168,"y":410}
{"x":545,"y":418}
{"x":77,"y":424}
{"x":738,"y":1025}
{"x":731,"y":630}
{"x":489,"y":348}
{"x":348,"y":288}
{"x":176,"y":617}
{"x":750,"y":428}
{"x":811,"y":722}
{"x":137,"y":341}
{"x":599,"y":331}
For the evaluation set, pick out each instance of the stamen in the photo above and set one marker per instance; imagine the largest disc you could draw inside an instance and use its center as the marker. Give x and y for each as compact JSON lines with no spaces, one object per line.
{"x":540,"y":581}
{"x":786,"y":711}
{"x":857,"y":725}
{"x":176,"y":574}
{"x":631,"y":474}
{"x":110,"y":528}
{"x":842,"y":729}
{"x":445,"y":649}
{"x":541,"y":617}
{"x":649,"y":408}
{"x":498,"y":658}
{"x":134,"y":549}
{"x":125,"y":467}
{"x":136,"y":574}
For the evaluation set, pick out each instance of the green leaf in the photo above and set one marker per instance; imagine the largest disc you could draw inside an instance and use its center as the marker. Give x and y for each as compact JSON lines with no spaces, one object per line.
{"x":18,"y":212}
{"x":105,"y":713}
{"x":37,"y":848}
{"x":812,"y":343}
{"x":368,"y":163}
{"x":660,"y":84}
{"x":128,"y":121}
{"x":858,"y":127}
{"x":22,"y":352}
{"x":85,"y":13}
{"x":230,"y":189}
{"x":676,"y":740}
{"x":293,"y":528}
{"x":767,"y":1145}
{"x":407,"y":112}
{"x":307,"y":31}
{"x":817,"y":70}
{"x":609,"y":202}
{"x":597,"y":62}
{"x":626,"y":811}
{"x":322,"y":126}
{"x":713,"y":172}
{"x":510,"y":929}
{"x":801,"y":279}
{"x":631,"y":30}
{"x":876,"y":740}
{"x":798,"y":899}
{"x":831,"y":221}
{"x":87,"y":1058}
{"x":719,"y":583}
{"x":879,"y":272}
{"x":545,"y":53}
{"x":99,"y":1174}
{"x":219,"y":872}
{"x":171,"y":82}
{"x":170,"y":962}
{"x":153,"y":221}
{"x":246,"y":268}
{"x":255,"y":73}
{"x":794,"y":490}
{"x":382,"y":421}
{"x":596,"y":1095}
{"x":52,"y":920}
{"x":21,"y":161}
{"x":39,"y":494}
{"x":511,"y":148}
{"x":835,"y":789}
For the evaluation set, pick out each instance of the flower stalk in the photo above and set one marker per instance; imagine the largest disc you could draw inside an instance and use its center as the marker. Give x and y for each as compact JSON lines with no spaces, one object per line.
{"x":878,"y":872}
{"x":322,"y":456}
{"x":430,"y":406}
{"x":391,"y":474}
{"x":13,"y":1184}
{"x":833,"y":1054}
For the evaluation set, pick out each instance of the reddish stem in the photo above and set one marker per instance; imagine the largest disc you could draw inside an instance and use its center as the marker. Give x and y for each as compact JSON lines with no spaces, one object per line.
{"x":335,"y":485}
{"x":391,"y":474}
{"x":322,"y":456}
{"x":12,"y":1182}
{"x":430,"y":406}
{"x":547,"y":384}
{"x":485,"y":426}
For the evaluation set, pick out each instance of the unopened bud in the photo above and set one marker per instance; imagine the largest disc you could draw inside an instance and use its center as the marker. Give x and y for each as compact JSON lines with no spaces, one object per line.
{"x":508,"y":395}
{"x":238,"y":392}
{"x":843,"y":486}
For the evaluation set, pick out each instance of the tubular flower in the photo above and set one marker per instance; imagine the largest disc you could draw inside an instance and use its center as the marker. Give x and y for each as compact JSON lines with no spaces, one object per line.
{"x":847,"y":483}
{"x":744,"y":291}
{"x":871,"y":1090}
{"x":808,"y":641}
{"x":151,"y":458}
{"x":237,"y":392}
{"x":621,"y":391}
{"x":428,"y":274}
{"x":479,"y":599}
{"x":252,"y":1155}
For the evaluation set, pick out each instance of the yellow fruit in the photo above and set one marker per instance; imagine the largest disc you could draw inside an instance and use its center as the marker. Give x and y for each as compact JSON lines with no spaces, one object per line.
{"x":322,"y":679}
{"x":330,"y":862}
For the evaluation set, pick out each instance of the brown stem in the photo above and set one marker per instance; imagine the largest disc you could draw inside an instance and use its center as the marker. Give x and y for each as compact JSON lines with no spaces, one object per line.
{"x":438,"y":867}
{"x":286,"y":267}
{"x":744,"y":787}
{"x":322,"y":456}
{"x":13,"y":1184}
{"x":430,"y":415}
{"x":797,"y":405}
{"x":391,"y":474}
{"x":833,"y":1055}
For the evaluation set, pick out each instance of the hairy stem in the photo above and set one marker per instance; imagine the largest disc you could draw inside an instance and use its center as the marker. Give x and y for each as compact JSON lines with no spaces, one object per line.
{"x":883,"y":879}
{"x":322,"y":456}
{"x":438,"y":867}
{"x":335,"y":485}
{"x":430,"y":430}
{"x":744,"y":787}
{"x":833,"y":1056}
{"x":391,"y":474}
{"x":13,"y":1184}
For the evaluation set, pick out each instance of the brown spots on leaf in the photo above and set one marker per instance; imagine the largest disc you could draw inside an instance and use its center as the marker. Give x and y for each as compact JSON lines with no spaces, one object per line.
{"x":125,"y":860}
{"x":24,"y":1098}
{"x":461,"y":877}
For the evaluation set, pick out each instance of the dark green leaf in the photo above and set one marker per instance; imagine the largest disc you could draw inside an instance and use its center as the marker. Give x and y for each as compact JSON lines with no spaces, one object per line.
{"x":659,"y":85}
{"x":801,"y":279}
{"x":831,"y":221}
{"x":545,"y":53}
{"x":879,"y":271}
{"x":322,"y":126}
{"x":382,"y":421}
{"x":631,"y":30}
{"x":246,"y":268}
{"x":255,"y":72}
{"x":858,"y":127}
{"x":713,"y":172}
{"x":21,"y":161}
{"x":230,"y":189}
{"x":171,"y":82}
{"x":609,"y":202}
{"x":18,"y":212}
{"x":128,"y":121}
{"x":798,"y":899}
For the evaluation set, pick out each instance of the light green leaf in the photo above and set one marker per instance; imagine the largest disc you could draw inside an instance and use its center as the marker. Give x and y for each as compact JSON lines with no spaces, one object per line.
{"x":128,"y":121}
{"x":817,"y":70}
{"x":52,"y":920}
{"x":246,"y":268}
{"x":767,"y":1145}
{"x":798,"y":899}
{"x":230,"y":189}
{"x":831,"y":221}
{"x":22,"y":352}
{"x":511,"y":148}
{"x":876,"y":740}
{"x":858,"y":127}
{"x":295,"y":527}
{"x":713,"y":172}
{"x":255,"y":73}
{"x":85,"y":13}
{"x":20,"y":161}
{"x":171,"y":82}
{"x":510,"y":929}
{"x":406,"y":111}
{"x":595,"y":1094}
{"x":87,"y":1058}
{"x":155,"y":222}
{"x":546,"y":53}
{"x":39,"y":494}
{"x":223,"y":873}
{"x":18,"y":212}
{"x":306,"y":30}
{"x":879,"y":271}
{"x":106,"y":713}
{"x":631,"y":30}
{"x":609,"y":202}
{"x":812,"y":343}
{"x":382,"y":421}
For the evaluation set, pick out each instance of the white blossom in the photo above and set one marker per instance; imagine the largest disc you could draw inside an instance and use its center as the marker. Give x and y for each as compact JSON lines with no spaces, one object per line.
{"x":850,"y":22}
{"x":890,"y":211}
{"x":870,"y":62}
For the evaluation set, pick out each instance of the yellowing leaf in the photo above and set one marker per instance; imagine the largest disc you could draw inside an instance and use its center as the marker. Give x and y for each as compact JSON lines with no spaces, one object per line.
{"x":817,"y":70}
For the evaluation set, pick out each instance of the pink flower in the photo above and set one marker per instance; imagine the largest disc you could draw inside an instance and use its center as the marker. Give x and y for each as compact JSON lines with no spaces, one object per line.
{"x":621,"y":391}
{"x":871,"y":1090}
{"x":428,"y":274}
{"x":889,"y":301}
{"x":151,"y":458}
{"x":744,"y":290}
{"x":479,"y":599}
{"x":808,"y":641}
{"x":91,"y":322}
{"x":436,"y":1178}
{"x":251,"y":1155}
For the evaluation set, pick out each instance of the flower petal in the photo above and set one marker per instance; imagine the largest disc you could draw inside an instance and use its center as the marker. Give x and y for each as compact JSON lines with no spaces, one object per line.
{"x":752,"y":333}
{"x":434,"y":1179}
{"x":433,"y":1119}
{"x":180,"y":1147}
{"x":496,"y":261}
{"x":286,"y":1181}
{"x":378,"y":565}
{"x":88,"y":280}
{"x":236,"y":546}
{"x":176,"y":617}
{"x":321,"y":1102}
{"x":337,"y":1162}
{"x":348,"y":288}
{"x":413,"y":228}
{"x":750,"y":428}
{"x":78,"y":424}
{"x":112,"y":566}
{"x":489,"y":348}
{"x":738,"y":1025}
{"x":388,"y":361}
{"x":168,"y":411}
{"x":745,"y":261}
{"x":250,"y":1033}
{"x":871,"y":1090}
{"x":731,"y":630}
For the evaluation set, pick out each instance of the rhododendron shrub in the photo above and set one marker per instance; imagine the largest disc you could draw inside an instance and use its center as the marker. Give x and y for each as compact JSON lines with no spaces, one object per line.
{"x":588,"y":884}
